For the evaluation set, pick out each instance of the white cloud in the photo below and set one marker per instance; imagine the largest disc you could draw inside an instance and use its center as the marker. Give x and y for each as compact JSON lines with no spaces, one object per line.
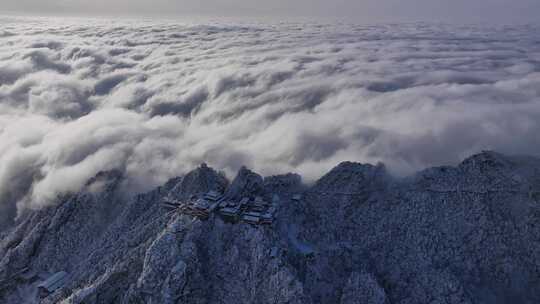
{"x":156,"y":99}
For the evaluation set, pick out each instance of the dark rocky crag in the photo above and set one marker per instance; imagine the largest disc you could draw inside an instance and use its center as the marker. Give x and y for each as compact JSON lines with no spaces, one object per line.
{"x":465,"y":234}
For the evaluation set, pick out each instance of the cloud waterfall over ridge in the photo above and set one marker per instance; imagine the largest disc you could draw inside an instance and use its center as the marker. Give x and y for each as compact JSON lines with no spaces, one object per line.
{"x":154,"y":99}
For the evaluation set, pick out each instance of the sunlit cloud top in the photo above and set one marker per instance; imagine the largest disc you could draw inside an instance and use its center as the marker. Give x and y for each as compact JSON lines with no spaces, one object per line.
{"x":155,"y":99}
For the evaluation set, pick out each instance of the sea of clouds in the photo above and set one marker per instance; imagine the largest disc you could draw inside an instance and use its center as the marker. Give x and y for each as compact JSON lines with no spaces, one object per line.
{"x":155,"y":99}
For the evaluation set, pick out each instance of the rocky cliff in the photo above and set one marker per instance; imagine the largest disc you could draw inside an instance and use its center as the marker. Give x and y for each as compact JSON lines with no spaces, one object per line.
{"x":464,"y":234}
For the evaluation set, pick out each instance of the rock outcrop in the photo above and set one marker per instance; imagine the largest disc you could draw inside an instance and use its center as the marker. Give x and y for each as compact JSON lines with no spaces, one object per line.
{"x":464,"y":234}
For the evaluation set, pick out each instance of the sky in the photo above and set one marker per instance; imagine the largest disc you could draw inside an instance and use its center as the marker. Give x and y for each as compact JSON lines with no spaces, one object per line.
{"x":460,"y":11}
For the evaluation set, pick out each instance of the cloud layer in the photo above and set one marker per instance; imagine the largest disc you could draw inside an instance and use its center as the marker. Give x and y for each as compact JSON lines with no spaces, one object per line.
{"x":154,"y":99}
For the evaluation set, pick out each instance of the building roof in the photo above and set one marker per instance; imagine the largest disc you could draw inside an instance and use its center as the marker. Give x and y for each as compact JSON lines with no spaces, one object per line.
{"x":253,"y":213}
{"x":266,"y":216}
{"x":230,"y":210}
{"x":274,"y":252}
{"x":202,"y":204}
{"x":54,"y":282}
{"x":249,"y":218}
{"x":230,"y":203}
{"x":212,"y":195}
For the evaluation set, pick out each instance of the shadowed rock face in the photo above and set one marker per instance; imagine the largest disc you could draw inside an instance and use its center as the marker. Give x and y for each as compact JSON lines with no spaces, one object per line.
{"x":465,"y":234}
{"x":198,"y":181}
{"x":246,"y":183}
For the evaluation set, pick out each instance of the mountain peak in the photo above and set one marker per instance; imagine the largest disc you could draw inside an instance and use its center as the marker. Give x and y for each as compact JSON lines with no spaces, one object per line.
{"x":486,"y":159}
{"x":198,"y":181}
{"x":351,"y":176}
{"x":246,"y":183}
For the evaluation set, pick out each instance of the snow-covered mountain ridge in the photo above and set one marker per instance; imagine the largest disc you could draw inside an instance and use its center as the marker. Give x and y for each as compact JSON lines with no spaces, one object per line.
{"x":464,"y":234}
